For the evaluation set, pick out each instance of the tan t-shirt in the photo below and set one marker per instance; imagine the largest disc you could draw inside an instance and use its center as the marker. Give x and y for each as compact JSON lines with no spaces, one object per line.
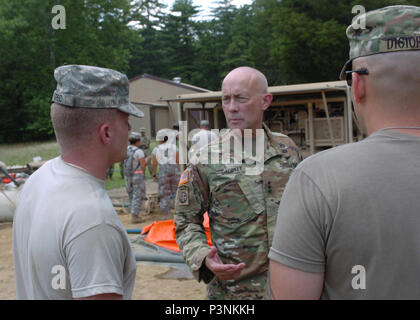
{"x":353,"y":212}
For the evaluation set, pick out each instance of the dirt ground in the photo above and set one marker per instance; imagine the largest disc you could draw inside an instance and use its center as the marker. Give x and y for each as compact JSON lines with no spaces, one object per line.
{"x":150,"y":282}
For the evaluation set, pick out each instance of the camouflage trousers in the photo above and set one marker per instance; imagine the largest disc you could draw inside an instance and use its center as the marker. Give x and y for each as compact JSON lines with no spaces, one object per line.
{"x":110,"y":171}
{"x":251,"y":288}
{"x":122,"y":169}
{"x":136,"y":190}
{"x":168,"y":178}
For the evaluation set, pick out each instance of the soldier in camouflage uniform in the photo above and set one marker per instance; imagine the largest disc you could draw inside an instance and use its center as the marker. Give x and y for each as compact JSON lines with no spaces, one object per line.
{"x":131,"y":148}
{"x":145,"y":146}
{"x":242,"y":206}
{"x":110,"y":171}
{"x":166,"y":155}
{"x":134,"y":167}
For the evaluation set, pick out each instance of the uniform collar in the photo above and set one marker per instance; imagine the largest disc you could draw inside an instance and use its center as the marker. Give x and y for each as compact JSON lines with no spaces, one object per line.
{"x":272,"y":146}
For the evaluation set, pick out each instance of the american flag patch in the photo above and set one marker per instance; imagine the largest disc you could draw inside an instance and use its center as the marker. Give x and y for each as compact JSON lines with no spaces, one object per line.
{"x":184,"y":178}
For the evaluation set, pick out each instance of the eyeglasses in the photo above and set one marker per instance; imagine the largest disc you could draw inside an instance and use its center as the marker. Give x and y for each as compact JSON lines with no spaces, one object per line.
{"x":349,"y":75}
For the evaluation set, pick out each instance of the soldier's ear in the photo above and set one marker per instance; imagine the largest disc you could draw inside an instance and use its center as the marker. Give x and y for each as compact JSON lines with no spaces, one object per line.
{"x":359,"y":87}
{"x":104,"y":132}
{"x":267,"y":99}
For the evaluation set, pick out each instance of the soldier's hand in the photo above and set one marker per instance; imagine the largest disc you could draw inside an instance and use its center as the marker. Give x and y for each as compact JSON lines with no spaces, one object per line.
{"x":222,"y":271}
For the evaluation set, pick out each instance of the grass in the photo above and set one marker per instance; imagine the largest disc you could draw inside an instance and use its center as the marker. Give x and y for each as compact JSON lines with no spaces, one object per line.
{"x":23,"y":153}
{"x":117,"y":181}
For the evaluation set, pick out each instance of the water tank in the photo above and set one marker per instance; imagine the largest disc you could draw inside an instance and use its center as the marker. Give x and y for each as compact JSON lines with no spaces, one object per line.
{"x":8,"y":200}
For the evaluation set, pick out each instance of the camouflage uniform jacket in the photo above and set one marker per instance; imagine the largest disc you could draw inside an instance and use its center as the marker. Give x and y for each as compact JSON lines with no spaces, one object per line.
{"x":242,"y":211}
{"x":144,"y":142}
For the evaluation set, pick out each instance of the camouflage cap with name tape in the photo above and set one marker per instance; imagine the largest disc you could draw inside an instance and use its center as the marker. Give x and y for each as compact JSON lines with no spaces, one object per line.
{"x":389,"y":29}
{"x":82,"y":86}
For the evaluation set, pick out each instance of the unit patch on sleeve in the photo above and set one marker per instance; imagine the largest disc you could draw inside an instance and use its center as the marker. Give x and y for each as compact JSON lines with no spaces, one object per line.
{"x":184,"y":178}
{"x":183,"y":199}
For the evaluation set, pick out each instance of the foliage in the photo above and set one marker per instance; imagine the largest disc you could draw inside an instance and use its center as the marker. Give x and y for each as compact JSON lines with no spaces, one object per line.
{"x":290,"y":41}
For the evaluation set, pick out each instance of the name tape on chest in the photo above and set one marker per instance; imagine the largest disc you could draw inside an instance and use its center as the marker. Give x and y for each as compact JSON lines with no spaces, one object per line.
{"x":228,"y":171}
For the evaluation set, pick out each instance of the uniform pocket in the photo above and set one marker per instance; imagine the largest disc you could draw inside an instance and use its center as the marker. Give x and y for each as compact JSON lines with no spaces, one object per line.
{"x":230,"y":205}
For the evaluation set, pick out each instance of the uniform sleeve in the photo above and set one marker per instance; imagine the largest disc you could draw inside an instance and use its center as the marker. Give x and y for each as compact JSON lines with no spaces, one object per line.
{"x":96,"y":262}
{"x":302,"y":225}
{"x":191,"y":204}
{"x":138,"y":155}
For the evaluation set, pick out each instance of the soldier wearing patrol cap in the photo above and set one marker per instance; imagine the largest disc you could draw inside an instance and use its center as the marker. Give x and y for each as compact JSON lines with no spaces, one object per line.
{"x":65,"y":221}
{"x":241,"y":204}
{"x":134,"y":173}
{"x":348,"y":221}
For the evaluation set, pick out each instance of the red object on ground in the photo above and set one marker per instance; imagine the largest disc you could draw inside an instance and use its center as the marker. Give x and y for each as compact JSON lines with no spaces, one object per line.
{"x":6,"y":180}
{"x":162,"y":233}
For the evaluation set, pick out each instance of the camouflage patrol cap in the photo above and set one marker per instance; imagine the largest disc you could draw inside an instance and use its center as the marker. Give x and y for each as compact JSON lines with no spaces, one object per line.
{"x":93,"y":87}
{"x":134,"y":135}
{"x":389,"y":29}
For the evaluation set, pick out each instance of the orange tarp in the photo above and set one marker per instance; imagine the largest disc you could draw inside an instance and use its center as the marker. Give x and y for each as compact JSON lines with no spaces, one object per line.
{"x":162,"y":233}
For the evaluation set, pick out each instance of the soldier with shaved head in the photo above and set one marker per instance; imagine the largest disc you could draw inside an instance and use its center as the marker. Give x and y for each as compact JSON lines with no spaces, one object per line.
{"x":241,"y":203}
{"x":348,"y":222}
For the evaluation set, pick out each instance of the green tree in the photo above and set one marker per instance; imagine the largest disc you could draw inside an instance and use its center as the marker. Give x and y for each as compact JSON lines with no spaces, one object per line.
{"x":96,"y":34}
{"x":238,"y":52}
{"x":146,"y":58}
{"x":308,"y":37}
{"x":178,"y":37}
{"x":213,"y":38}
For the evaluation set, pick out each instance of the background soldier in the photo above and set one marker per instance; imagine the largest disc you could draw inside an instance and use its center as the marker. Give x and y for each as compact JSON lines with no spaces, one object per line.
{"x":110,"y":171}
{"x":201,"y":138}
{"x":166,"y":155}
{"x":145,"y":146}
{"x":134,"y":167}
{"x":242,"y":208}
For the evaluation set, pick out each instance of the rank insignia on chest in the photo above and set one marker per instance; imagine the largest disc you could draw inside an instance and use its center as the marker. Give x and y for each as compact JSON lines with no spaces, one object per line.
{"x":184,"y":178}
{"x":183,"y":199}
